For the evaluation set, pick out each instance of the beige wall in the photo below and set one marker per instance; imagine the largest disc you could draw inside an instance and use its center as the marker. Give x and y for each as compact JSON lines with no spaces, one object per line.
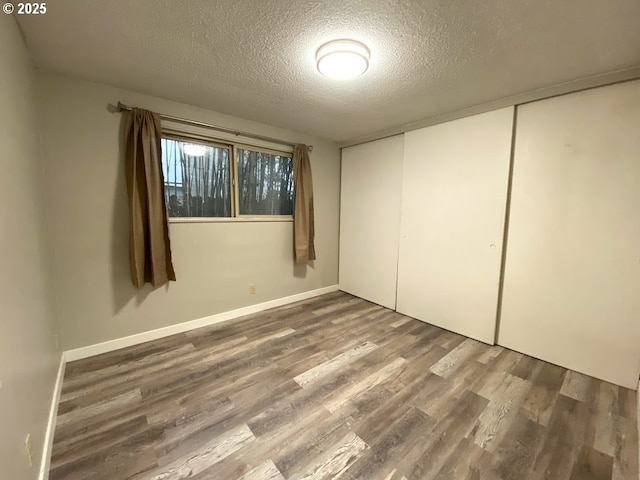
{"x":214,"y":262}
{"x":28,"y":357}
{"x":572,"y":273}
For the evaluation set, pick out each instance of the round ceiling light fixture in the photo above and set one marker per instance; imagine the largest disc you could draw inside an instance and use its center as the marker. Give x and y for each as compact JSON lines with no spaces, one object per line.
{"x":343,"y":59}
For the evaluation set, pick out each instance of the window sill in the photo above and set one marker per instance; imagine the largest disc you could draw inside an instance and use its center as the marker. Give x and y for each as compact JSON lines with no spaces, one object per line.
{"x":242,"y":219}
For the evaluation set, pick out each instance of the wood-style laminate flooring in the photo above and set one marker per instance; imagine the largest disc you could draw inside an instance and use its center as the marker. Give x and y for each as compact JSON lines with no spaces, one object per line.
{"x":337,"y":387}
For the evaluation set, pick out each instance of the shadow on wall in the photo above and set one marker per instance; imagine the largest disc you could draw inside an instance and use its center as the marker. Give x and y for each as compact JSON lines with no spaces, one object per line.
{"x":300,"y":269}
{"x":122,"y":288}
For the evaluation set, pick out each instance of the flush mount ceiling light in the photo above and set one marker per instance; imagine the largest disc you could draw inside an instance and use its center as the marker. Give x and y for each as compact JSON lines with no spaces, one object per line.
{"x":194,"y":149}
{"x":343,"y":59}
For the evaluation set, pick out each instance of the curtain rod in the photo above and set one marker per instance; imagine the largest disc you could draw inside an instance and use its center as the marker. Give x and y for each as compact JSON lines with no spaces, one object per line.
{"x":121,"y":107}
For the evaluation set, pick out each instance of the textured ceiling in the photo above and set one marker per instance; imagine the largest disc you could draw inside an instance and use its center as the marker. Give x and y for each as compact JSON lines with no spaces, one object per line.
{"x":255,"y":59}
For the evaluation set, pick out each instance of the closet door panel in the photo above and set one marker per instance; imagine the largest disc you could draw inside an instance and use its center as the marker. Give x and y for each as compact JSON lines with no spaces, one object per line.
{"x":572,"y":272}
{"x":370,"y":219}
{"x":455,"y":178}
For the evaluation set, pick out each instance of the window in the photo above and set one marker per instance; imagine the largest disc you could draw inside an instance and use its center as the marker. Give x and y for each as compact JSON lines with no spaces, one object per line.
{"x":197,"y":178}
{"x":265,"y":183}
{"x":209,"y":179}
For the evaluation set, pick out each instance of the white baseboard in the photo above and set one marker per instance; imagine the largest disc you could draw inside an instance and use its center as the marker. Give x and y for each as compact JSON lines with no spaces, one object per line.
{"x":98,"y":348}
{"x":45,"y":462}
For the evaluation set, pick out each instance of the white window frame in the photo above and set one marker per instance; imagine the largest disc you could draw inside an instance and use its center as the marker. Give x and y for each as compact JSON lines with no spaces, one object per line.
{"x":235,"y":217}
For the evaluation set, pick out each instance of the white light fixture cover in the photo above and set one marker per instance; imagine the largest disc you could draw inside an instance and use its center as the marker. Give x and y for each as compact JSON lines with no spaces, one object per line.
{"x":194,"y":150}
{"x":343,"y":59}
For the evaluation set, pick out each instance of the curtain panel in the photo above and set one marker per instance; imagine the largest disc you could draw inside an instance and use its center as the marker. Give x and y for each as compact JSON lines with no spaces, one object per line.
{"x":149,"y":245}
{"x":303,"y":221}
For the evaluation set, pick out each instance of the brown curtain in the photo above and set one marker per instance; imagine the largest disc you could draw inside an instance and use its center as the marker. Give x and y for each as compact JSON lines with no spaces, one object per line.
{"x":149,"y":246}
{"x":303,"y":228}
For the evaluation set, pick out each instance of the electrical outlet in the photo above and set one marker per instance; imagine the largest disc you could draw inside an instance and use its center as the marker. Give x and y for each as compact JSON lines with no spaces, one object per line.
{"x":29,"y":449}
{"x":56,"y":339}
{"x":252,"y":289}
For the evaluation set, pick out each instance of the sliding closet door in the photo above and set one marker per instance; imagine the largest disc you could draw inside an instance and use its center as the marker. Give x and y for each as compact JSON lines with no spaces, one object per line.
{"x":572,"y":279}
{"x":370,"y":219}
{"x":453,"y":206}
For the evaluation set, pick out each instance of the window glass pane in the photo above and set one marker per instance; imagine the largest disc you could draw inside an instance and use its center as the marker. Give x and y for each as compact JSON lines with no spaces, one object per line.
{"x":196,"y":179}
{"x":265,"y":183}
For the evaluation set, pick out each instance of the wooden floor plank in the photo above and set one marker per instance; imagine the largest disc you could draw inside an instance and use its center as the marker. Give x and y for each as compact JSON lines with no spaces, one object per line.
{"x":337,"y":387}
{"x":442,"y":440}
{"x":454,"y":359}
{"x":319,"y":371}
{"x":576,"y":386}
{"x":264,"y":471}
{"x":335,"y":461}
{"x":496,"y":418}
{"x":209,"y":454}
{"x":592,"y":465}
